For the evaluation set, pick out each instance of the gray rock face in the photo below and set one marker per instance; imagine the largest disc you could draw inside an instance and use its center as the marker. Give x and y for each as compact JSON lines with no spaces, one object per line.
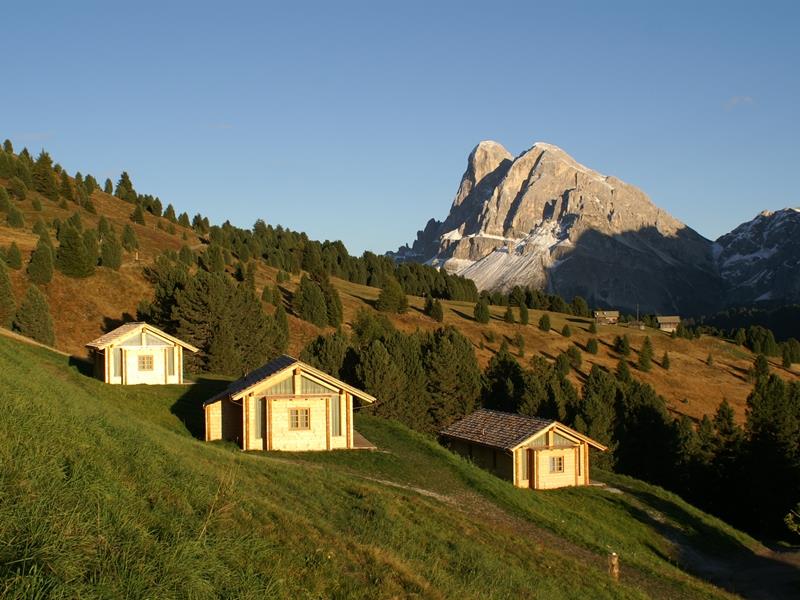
{"x":760,"y":259}
{"x":542,"y":219}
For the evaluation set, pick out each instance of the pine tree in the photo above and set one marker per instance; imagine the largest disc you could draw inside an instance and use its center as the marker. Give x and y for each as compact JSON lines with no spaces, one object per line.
{"x":186,"y":256}
{"x":562,"y":364}
{"x":436,"y":312}
{"x":623,"y":373}
{"x":646,"y":355}
{"x":5,"y":200}
{"x":137,"y":216}
{"x":17,"y":188}
{"x":591,"y":346}
{"x":14,"y":218}
{"x":566,"y":331}
{"x":281,"y":328}
{"x":544,"y":322}
{"x":592,"y":327}
{"x":183,"y":220}
{"x":760,"y":369}
{"x":392,"y":297}
{"x":92,"y":246}
{"x":710,"y":360}
{"x":266,"y":295}
{"x":72,"y":257}
{"x":665,"y":361}
{"x":40,"y":267}
{"x":36,"y":204}
{"x":66,"y":190}
{"x":524,"y":317}
{"x":111,"y":251}
{"x":40,"y":229}
{"x":481,"y":311}
{"x":43,"y":177}
{"x":7,"y":305}
{"x":309,"y":302}
{"x":14,"y":257}
{"x":33,"y":317}
{"x":333,"y":303}
{"x":740,"y":337}
{"x":622,"y":345}
{"x":509,"y":316}
{"x":786,"y":356}
{"x":8,"y":147}
{"x":108,"y":187}
{"x":129,"y":240}
{"x":596,"y":416}
{"x":169,"y":214}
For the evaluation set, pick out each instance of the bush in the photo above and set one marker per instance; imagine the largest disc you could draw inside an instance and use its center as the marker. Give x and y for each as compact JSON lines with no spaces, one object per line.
{"x":7,"y":305}
{"x":566,"y":331}
{"x":524,"y":318}
{"x":592,"y":327}
{"x":392,"y":297}
{"x":137,"y":216}
{"x":14,"y":218}
{"x":665,"y":361}
{"x":40,"y":267}
{"x":17,"y":188}
{"x":646,"y":355}
{"x":591,"y":346}
{"x":509,"y":316}
{"x":14,"y":257}
{"x":622,"y":345}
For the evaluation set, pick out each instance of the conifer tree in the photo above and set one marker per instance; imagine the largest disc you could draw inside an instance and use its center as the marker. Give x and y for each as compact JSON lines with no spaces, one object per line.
{"x":524,"y":317}
{"x":508,"y":317}
{"x":592,"y":327}
{"x":40,"y":229}
{"x":7,"y":305}
{"x":137,"y":216}
{"x":108,"y":187}
{"x":72,"y":258}
{"x":103,"y":227}
{"x":43,"y":177}
{"x":740,"y":337}
{"x":665,"y":361}
{"x":433,"y":308}
{"x":14,"y":257}
{"x":591,"y":346}
{"x":786,"y":356}
{"x":17,"y":188}
{"x":14,"y":218}
{"x":36,"y":204}
{"x":622,"y":345}
{"x":710,"y":360}
{"x":544,"y":322}
{"x":760,"y":368}
{"x":92,"y":248}
{"x":266,"y":295}
{"x":566,"y":331}
{"x":169,"y":214}
{"x":646,"y":355}
{"x":33,"y":317}
{"x":186,"y":256}
{"x":111,"y":251}
{"x":66,"y":190}
{"x":281,"y":328}
{"x":5,"y":200}
{"x":183,"y":220}
{"x":309,"y":302}
{"x":596,"y":416}
{"x":8,"y":147}
{"x":40,"y":267}
{"x":392,"y":297}
{"x":623,"y":373}
{"x":562,"y":364}
{"x":481,"y":311}
{"x":129,"y":240}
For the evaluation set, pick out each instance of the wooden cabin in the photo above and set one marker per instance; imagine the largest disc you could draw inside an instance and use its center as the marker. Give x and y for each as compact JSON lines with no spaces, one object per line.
{"x":606,"y":317}
{"x":286,"y":405}
{"x":668,"y":324}
{"x":528,"y":451}
{"x":137,"y":353}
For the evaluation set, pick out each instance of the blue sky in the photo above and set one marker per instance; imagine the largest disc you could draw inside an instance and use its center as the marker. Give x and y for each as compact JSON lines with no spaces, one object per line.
{"x":353,"y":121}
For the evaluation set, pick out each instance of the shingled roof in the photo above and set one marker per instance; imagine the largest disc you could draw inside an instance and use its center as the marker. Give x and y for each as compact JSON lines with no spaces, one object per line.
{"x":275,"y":366}
{"x":127,"y":329}
{"x":497,"y":429}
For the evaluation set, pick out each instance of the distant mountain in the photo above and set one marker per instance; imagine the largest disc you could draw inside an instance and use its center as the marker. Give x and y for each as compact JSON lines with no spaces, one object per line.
{"x":542,"y":219}
{"x":760,"y":259}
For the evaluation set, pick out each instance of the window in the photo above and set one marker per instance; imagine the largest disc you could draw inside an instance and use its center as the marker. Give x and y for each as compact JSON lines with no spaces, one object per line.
{"x":171,"y":361}
{"x":145,"y":362}
{"x":261,"y":416}
{"x":116,"y":360}
{"x":336,"y":416}
{"x":299,"y":418}
{"x":556,"y":464}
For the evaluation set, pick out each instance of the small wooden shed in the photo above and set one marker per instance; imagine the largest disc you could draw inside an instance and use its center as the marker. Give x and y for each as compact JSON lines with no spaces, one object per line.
{"x":137,"y":353}
{"x":528,"y":451}
{"x":286,"y":405}
{"x":668,"y":324}
{"x":606,"y":317}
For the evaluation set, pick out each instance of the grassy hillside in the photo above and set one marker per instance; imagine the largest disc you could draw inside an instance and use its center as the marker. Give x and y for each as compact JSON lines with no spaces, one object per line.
{"x":85,"y":308}
{"x":104,"y":492}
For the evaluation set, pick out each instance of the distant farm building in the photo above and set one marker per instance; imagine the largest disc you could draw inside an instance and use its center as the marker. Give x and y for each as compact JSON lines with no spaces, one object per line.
{"x":528,"y":451}
{"x":286,"y":405}
{"x":668,"y":324}
{"x":138,"y":353}
{"x":606,"y":317}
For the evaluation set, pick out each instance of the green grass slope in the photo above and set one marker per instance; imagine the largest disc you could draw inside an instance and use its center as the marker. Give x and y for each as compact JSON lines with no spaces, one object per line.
{"x":104,"y":492}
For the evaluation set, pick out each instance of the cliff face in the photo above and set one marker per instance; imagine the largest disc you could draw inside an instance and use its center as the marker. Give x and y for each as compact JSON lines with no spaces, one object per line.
{"x":542,"y":219}
{"x":760,"y":259}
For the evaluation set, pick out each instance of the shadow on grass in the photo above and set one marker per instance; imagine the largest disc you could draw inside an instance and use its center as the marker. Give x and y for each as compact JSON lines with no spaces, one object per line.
{"x":83,"y":365}
{"x":712,"y":554}
{"x":189,"y":407}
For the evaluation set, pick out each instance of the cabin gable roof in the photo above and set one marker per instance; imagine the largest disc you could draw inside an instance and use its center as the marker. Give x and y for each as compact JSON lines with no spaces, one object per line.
{"x":508,"y":431}
{"x":275,"y":370}
{"x":127,"y":330}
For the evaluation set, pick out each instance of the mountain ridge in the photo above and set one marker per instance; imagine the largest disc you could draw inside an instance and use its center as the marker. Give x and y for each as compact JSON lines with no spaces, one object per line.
{"x":543,"y":219}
